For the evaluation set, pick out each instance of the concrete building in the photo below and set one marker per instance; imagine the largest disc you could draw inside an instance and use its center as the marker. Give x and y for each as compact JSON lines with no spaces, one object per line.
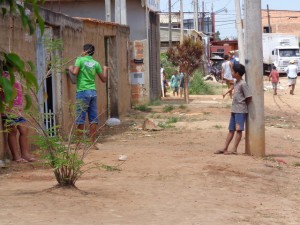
{"x":141,"y":16}
{"x":111,"y":43}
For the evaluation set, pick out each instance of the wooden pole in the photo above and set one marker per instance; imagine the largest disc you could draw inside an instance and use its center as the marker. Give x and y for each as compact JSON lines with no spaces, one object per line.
{"x":255,"y":129}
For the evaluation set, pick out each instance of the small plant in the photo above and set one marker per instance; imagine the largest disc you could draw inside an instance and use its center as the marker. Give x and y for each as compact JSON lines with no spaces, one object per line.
{"x":218,"y":126}
{"x":169,"y":123}
{"x":182,"y":107}
{"x":297,"y":164}
{"x":143,"y":108}
{"x":199,"y":87}
{"x":172,"y":120}
{"x":168,"y":108}
{"x":155,"y":102}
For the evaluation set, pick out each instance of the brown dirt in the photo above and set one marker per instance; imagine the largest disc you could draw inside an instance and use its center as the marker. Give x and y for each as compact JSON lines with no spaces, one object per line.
{"x":171,"y":176}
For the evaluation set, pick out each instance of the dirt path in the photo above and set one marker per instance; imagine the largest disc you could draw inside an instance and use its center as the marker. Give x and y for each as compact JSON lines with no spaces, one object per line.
{"x":172,"y":176}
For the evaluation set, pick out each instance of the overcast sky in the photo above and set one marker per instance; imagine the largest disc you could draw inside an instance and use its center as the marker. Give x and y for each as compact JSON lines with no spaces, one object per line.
{"x":225,"y":21}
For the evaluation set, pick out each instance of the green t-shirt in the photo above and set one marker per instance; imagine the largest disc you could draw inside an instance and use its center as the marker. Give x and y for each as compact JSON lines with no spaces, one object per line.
{"x":88,"y":68}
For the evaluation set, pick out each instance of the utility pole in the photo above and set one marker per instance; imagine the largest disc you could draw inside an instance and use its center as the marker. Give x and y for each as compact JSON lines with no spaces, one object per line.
{"x":181,"y":21}
{"x":107,"y":11}
{"x":170,"y":25}
{"x":196,"y":12}
{"x":269,"y":24}
{"x":202,"y":27}
{"x":255,"y":129}
{"x":239,"y":26}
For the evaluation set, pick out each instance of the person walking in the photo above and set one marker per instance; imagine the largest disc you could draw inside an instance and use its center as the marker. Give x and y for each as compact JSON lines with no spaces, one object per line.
{"x":86,"y":68}
{"x":274,"y":77}
{"x":174,"y":83}
{"x":239,"y":110}
{"x":227,"y":73}
{"x":291,"y":71}
{"x":181,"y":85}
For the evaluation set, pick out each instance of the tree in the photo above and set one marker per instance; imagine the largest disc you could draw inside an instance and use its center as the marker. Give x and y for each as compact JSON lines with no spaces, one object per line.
{"x":11,"y":60}
{"x":188,"y":56}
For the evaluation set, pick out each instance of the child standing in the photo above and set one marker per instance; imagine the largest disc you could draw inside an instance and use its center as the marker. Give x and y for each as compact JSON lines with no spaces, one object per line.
{"x":239,"y":110}
{"x":174,"y":83}
{"x":14,"y":122}
{"x":274,"y":77}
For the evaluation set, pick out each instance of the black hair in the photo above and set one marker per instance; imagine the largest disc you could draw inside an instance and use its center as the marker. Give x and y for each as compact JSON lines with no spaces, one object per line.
{"x":240,"y":69}
{"x":274,"y":67}
{"x":89,"y":49}
{"x":226,"y":57}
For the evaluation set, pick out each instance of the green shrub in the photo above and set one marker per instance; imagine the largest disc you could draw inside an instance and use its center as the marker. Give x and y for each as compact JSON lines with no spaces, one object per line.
{"x":199,"y":87}
{"x":143,"y":108}
{"x":168,"y":108}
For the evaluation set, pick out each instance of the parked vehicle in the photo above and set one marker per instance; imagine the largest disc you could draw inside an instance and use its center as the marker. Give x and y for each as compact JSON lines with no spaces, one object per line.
{"x":279,"y":50}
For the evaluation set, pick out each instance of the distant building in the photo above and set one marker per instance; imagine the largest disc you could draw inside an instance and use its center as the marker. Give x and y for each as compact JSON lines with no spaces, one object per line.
{"x":281,"y":21}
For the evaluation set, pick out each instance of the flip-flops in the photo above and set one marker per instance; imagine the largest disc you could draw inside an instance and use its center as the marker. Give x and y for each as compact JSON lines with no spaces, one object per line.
{"x":219,"y":152}
{"x":230,"y":153}
{"x":31,"y":159}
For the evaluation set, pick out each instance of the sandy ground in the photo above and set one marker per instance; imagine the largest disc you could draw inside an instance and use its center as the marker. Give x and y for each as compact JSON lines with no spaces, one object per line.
{"x":172,"y":176}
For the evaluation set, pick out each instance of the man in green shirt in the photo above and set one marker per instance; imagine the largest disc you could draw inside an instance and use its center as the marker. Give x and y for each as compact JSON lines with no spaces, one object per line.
{"x":86,"y":69}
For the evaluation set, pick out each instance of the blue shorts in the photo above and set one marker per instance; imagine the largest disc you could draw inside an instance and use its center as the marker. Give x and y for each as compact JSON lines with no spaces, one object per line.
{"x":237,"y":121}
{"x":13,"y":120}
{"x":86,"y":103}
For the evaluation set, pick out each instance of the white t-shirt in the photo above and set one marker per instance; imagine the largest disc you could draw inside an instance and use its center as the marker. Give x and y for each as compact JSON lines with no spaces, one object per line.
{"x":291,"y":71}
{"x":227,"y":70}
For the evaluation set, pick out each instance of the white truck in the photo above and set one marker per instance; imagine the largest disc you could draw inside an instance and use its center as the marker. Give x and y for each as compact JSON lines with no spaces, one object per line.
{"x":279,"y":50}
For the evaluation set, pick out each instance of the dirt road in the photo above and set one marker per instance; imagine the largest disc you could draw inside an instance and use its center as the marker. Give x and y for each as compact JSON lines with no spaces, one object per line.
{"x":172,"y":176}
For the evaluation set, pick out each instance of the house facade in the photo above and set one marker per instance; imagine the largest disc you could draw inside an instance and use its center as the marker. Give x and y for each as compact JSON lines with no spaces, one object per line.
{"x":141,"y":16}
{"x":111,"y":43}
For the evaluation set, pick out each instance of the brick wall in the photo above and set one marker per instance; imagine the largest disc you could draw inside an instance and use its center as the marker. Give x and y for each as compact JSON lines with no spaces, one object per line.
{"x":138,"y":91}
{"x":282,"y":21}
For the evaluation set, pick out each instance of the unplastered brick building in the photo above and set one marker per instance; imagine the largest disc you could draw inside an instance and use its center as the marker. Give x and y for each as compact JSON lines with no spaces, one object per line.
{"x":281,"y":21}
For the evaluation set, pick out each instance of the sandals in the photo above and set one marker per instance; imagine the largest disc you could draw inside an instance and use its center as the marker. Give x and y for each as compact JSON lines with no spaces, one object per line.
{"x":230,"y":153}
{"x":31,"y":159}
{"x":220,"y":152}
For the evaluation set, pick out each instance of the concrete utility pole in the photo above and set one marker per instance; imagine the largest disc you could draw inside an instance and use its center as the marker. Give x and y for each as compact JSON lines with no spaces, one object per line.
{"x":202,"y":21}
{"x":269,"y":24}
{"x":255,"y":129}
{"x":170,"y":25}
{"x":196,"y":12}
{"x":181,"y":22}
{"x":120,"y":12}
{"x":239,"y":27}
{"x":107,"y":10}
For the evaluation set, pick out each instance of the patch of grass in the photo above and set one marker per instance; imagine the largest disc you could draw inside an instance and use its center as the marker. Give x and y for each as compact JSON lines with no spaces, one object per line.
{"x":206,"y":113}
{"x":165,"y":125}
{"x":182,"y":107}
{"x":172,"y":120}
{"x":155,"y":102}
{"x":143,"y":108}
{"x":218,"y":126}
{"x":110,"y":168}
{"x":297,"y":164}
{"x":199,"y":87}
{"x":168,"y":108}
{"x":169,"y":123}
